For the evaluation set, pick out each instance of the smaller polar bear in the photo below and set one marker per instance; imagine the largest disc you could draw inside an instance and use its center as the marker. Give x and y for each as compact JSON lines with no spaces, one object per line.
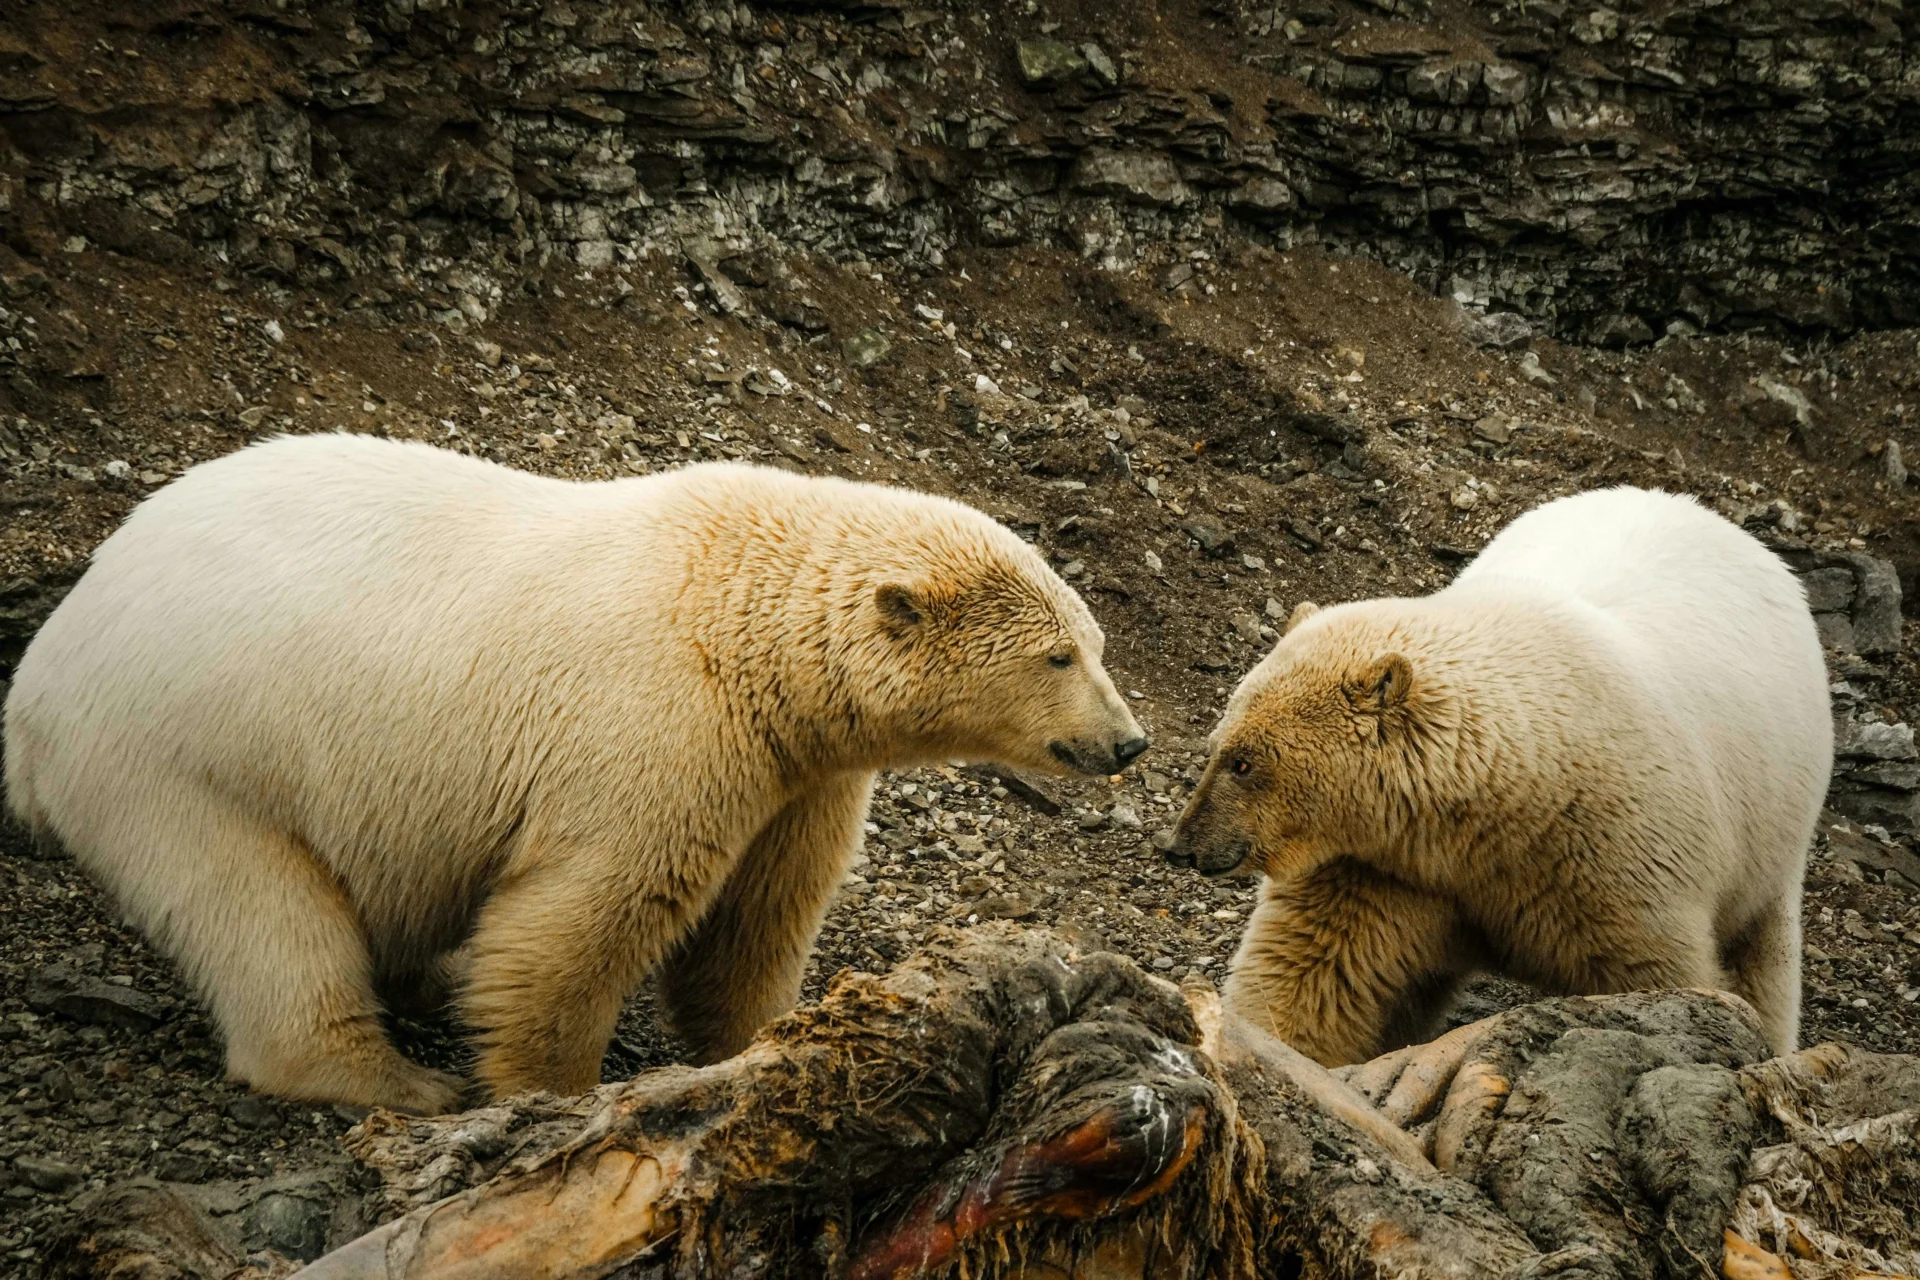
{"x":330,"y":708}
{"x":1593,"y":763}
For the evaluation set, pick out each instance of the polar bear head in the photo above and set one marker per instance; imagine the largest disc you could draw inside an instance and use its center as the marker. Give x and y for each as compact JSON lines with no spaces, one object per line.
{"x":1341,"y":740}
{"x":977,"y":650}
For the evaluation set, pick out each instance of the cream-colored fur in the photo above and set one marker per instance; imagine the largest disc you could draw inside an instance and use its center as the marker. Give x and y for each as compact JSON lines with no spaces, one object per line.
{"x":326,"y":709}
{"x":1594,"y":763}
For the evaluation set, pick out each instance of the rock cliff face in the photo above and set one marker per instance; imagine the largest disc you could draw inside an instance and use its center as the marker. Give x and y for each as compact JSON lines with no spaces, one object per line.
{"x":1610,"y":172}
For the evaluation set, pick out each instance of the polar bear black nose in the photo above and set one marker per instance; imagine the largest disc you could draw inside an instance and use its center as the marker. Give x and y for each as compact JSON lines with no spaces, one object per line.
{"x":1130,"y":750}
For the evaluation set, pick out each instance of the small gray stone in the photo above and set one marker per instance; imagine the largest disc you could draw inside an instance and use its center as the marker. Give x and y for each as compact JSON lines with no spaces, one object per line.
{"x":1876,"y":605}
{"x":1213,"y":538}
{"x":1047,"y":61}
{"x":1144,"y":177}
{"x":1835,"y":630}
{"x":1005,"y":906}
{"x":181,"y":1166}
{"x":291,"y":1223}
{"x":63,"y":1084}
{"x":46,"y":1174}
{"x":1246,"y":625}
{"x":1530,"y":370}
{"x":1495,"y":428}
{"x":1828,"y":590}
{"x":59,"y":989}
{"x":1849,"y":846}
{"x":603,"y":179}
{"x":1894,"y":775}
{"x":1163,"y":839}
{"x":866,"y":348}
{"x":1897,"y":811}
{"x":1499,"y":329}
{"x":1874,"y":740}
{"x":1779,"y":405}
{"x":1262,"y":195}
{"x":1100,"y":64}
{"x":1506,"y":83}
{"x":251,"y":1111}
{"x":704,"y":258}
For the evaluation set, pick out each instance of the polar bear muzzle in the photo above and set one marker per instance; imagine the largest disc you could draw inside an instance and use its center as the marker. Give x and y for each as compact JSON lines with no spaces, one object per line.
{"x":1212,"y":837}
{"x":1111,"y":759}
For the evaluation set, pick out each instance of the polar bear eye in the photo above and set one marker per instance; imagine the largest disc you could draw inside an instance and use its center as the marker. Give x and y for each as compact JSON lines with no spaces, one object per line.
{"x":1061,"y":660}
{"x":1242,"y":767}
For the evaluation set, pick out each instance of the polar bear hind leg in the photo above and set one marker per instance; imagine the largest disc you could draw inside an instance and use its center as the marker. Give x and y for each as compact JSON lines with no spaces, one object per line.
{"x":1764,"y":963}
{"x":267,"y":935}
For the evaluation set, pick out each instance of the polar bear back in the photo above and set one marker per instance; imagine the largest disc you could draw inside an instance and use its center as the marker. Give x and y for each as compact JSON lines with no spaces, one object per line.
{"x":1705,"y":619}
{"x":292,"y":612}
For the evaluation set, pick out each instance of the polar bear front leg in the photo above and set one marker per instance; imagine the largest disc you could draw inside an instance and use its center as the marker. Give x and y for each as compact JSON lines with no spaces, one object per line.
{"x":741,"y":967}
{"x":552,"y":958}
{"x":1332,"y":961}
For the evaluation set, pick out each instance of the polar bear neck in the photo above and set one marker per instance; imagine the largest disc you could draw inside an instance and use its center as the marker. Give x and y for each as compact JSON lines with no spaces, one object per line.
{"x":779,"y":603}
{"x":1522,"y":690}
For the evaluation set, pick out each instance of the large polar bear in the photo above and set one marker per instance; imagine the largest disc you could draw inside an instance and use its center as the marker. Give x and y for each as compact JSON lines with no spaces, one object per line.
{"x":1594,"y":762}
{"x":326,"y":708}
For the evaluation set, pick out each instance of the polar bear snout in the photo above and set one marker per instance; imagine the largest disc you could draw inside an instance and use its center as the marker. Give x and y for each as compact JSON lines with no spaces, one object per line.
{"x":1209,"y":839}
{"x":1108,"y":758}
{"x":1084,"y":722}
{"x":1213,"y":861}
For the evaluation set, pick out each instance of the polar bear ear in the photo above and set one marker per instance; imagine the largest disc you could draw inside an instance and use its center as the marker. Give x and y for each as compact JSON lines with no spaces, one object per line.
{"x":1382,"y":686}
{"x":901,"y":607}
{"x":1301,"y":612}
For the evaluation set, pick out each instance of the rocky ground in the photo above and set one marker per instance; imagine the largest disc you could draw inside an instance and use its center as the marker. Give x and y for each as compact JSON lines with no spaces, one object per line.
{"x":1196,"y":461}
{"x":1168,"y":373}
